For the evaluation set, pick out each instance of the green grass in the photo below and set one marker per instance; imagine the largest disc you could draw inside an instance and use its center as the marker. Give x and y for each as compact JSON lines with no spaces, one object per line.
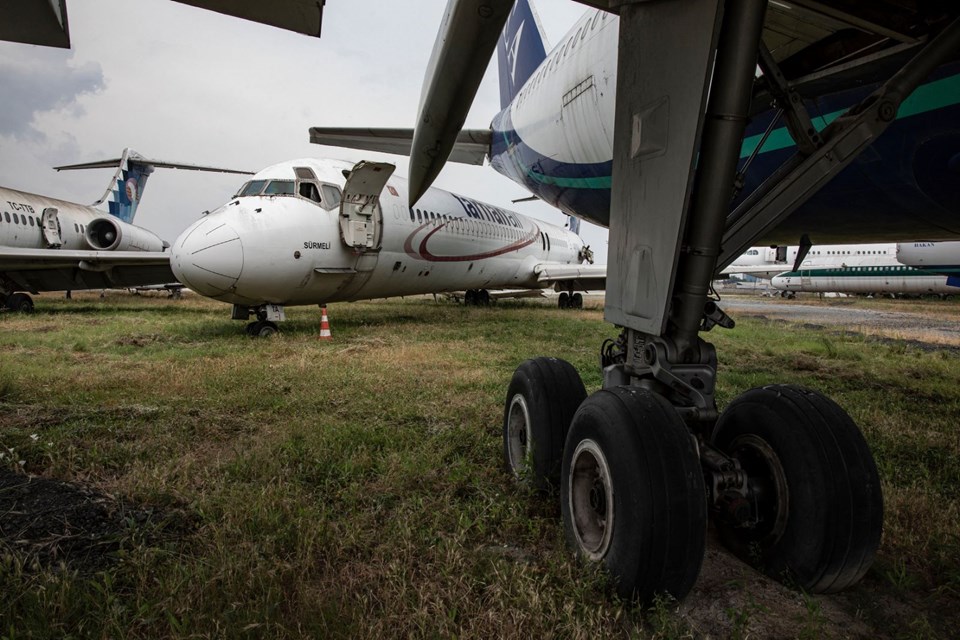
{"x":354,"y":488}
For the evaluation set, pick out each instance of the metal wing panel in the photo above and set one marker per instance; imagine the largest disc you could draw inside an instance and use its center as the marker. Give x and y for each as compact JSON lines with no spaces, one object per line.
{"x":471,"y":145}
{"x":300,"y":16}
{"x":55,"y":270}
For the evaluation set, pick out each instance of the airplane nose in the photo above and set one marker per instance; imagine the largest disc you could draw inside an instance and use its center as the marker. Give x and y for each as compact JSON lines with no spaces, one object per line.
{"x":208,"y":257}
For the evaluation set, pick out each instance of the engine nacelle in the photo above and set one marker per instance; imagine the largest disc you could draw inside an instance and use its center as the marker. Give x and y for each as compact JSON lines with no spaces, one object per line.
{"x":111,"y":234}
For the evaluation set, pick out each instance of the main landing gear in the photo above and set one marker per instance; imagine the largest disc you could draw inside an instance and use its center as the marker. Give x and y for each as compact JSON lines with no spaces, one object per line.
{"x":477,"y":298}
{"x":570,"y":300}
{"x":19,"y":302}
{"x":783,"y":472}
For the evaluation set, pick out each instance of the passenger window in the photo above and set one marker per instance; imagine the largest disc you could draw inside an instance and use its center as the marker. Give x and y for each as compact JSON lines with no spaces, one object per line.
{"x":310,"y":191}
{"x":16,"y":219}
{"x":6,"y":214}
{"x":279,"y":188}
{"x":31,"y":220}
{"x":252,"y":188}
{"x":331,"y":196}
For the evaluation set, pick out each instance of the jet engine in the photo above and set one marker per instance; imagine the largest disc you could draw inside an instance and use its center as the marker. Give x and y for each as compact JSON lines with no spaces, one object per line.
{"x":111,"y":234}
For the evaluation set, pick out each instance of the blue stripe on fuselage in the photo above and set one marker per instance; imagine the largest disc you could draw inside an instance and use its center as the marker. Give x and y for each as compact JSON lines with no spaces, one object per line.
{"x":911,"y":171}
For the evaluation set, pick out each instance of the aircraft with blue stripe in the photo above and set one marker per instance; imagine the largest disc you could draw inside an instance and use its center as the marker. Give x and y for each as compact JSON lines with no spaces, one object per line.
{"x":848,"y":133}
{"x":905,"y":186}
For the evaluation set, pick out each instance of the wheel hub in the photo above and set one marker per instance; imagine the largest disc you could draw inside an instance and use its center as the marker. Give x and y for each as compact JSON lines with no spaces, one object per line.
{"x":591,"y":499}
{"x":518,"y":433}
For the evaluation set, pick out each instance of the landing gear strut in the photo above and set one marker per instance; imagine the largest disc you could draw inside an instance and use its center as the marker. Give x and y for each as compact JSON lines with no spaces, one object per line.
{"x":784,"y":472}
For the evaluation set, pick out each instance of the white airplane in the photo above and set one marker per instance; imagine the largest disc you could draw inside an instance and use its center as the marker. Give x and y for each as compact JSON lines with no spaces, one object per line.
{"x":47,"y":244}
{"x":913,"y":268}
{"x":658,"y":124}
{"x":320,"y":231}
{"x":768,"y":262}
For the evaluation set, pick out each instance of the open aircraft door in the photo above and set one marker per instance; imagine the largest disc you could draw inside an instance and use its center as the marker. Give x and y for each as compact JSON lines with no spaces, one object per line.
{"x":361,"y":218}
{"x":51,"y":228}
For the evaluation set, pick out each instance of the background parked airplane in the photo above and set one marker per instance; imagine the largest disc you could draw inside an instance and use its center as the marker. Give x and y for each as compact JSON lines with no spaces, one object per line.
{"x":319,"y":231}
{"x":48,"y":244}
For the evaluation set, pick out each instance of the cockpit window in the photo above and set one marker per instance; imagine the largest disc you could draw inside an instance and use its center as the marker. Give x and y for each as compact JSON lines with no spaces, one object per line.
{"x":310,"y":191}
{"x":331,"y":196}
{"x":252,"y":188}
{"x":279,"y":188}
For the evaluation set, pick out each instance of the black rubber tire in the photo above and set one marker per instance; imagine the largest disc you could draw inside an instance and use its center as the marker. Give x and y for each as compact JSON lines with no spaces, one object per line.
{"x":20,"y":302}
{"x":563,"y":300}
{"x":266,"y":329}
{"x":657,"y":540}
{"x":483,"y":298}
{"x":546,"y":392}
{"x":824,"y":536}
{"x":576,"y":301}
{"x":470,"y":297}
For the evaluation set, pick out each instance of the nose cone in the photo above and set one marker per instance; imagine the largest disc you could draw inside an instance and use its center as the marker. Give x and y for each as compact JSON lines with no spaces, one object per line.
{"x":208,"y":257}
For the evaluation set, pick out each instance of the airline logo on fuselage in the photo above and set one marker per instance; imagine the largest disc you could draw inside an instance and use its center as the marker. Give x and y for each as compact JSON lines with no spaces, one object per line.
{"x":477,"y":211}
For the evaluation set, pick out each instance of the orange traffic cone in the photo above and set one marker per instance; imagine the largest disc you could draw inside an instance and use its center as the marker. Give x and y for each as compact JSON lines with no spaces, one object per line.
{"x":324,"y":325}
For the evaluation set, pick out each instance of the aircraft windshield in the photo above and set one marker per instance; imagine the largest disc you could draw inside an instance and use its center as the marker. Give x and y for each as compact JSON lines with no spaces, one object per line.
{"x":280,"y":188}
{"x":252,"y":188}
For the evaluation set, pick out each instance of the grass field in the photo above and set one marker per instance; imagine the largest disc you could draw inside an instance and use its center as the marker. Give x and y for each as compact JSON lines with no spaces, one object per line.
{"x":185,"y":480}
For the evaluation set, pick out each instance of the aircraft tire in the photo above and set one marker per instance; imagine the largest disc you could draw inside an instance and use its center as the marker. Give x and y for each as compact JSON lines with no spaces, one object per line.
{"x":19,"y":302}
{"x":630,"y":443}
{"x":470,"y":297}
{"x":576,"y":301}
{"x":483,"y":298}
{"x":542,"y":398}
{"x":563,"y":300}
{"x":822,"y":507}
{"x":262,"y":329}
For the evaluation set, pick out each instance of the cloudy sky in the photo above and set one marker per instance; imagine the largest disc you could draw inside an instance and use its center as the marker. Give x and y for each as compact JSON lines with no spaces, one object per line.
{"x":181,"y":84}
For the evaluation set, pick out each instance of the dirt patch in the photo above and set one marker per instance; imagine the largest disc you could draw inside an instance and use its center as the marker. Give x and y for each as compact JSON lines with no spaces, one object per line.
{"x":50,"y":522}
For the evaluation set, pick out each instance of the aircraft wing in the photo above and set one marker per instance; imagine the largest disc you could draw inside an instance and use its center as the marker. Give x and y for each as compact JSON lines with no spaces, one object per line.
{"x":36,"y":270}
{"x":759,"y":270}
{"x":584,"y":277}
{"x":471,"y":146}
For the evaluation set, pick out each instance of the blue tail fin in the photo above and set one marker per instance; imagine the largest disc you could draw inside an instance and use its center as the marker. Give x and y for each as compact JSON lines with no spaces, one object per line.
{"x":520,"y":51}
{"x":124,"y":193}
{"x":126,"y":188}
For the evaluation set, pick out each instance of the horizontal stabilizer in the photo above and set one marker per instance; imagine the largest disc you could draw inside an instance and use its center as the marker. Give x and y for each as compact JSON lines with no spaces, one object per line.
{"x":471,"y":146}
{"x":135,"y":157}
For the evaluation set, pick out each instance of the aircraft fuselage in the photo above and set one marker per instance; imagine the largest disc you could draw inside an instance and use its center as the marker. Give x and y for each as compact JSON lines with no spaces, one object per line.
{"x":287,"y":249}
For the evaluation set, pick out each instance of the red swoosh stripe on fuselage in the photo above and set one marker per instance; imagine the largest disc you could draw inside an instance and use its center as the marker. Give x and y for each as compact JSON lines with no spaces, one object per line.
{"x":423,"y":254}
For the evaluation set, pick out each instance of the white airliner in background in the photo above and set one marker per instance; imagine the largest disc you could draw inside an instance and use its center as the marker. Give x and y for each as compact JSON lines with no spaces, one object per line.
{"x":47,"y":244}
{"x":320,"y":231}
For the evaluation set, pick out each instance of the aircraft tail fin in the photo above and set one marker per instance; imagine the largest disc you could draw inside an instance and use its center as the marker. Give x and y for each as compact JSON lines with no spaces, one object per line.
{"x":125,"y":190}
{"x":520,"y":51}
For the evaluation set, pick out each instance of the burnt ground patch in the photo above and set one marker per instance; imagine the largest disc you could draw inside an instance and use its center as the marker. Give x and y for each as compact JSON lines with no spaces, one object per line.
{"x":53,"y":523}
